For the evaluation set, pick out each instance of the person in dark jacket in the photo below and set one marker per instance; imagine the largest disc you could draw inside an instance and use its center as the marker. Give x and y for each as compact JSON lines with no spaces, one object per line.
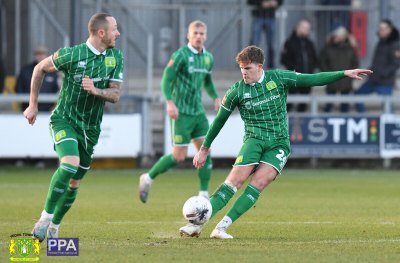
{"x":385,"y":62}
{"x":49,"y":85}
{"x":264,"y":19}
{"x":299,"y":54}
{"x":339,"y":52}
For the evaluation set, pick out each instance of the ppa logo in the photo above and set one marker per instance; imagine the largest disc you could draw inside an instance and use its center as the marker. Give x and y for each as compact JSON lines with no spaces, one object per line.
{"x":63,"y":247}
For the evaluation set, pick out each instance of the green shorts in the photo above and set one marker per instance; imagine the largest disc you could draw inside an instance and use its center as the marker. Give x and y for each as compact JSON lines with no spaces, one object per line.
{"x":69,"y":141}
{"x":188,"y":127}
{"x":254,"y":151}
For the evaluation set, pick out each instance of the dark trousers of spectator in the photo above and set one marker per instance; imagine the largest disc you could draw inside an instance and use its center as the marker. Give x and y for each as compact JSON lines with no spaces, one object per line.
{"x":260,"y":24}
{"x":301,"y":107}
{"x":368,"y":88}
{"x":344,"y":107}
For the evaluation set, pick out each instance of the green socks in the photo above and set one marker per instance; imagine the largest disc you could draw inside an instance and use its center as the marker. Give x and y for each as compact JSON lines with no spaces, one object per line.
{"x":245,"y":201}
{"x":64,"y":205}
{"x":58,"y":184}
{"x":165,"y":163}
{"x":204,"y":174}
{"x":221,"y":197}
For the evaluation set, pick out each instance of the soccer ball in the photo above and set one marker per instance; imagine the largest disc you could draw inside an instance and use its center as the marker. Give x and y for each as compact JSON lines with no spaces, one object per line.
{"x":197,"y":210}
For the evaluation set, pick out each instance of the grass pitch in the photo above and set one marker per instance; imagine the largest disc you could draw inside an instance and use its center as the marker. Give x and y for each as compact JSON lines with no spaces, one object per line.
{"x":305,"y":216}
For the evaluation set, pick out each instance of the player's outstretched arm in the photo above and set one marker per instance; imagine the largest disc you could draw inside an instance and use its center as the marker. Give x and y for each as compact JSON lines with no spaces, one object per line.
{"x":357,"y":73}
{"x":43,"y":67}
{"x":110,"y":94}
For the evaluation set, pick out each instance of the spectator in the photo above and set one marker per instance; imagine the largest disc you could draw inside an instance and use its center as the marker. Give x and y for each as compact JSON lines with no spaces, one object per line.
{"x":264,"y":19}
{"x":385,"y":62}
{"x":339,"y":52}
{"x":49,"y":85}
{"x":299,"y":54}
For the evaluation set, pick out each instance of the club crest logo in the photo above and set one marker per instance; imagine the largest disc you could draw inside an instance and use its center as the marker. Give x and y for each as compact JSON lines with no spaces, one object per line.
{"x":207,"y":60}
{"x":22,"y":247}
{"x":110,"y":62}
{"x":248,"y":105}
{"x":271,"y":85}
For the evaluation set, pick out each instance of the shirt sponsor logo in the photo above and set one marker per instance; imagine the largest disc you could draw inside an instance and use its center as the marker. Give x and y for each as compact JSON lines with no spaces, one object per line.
{"x":191,"y":59}
{"x":100,"y":79}
{"x":274,"y":97}
{"x":192,"y":69}
{"x":271,"y":85}
{"x":110,"y":62}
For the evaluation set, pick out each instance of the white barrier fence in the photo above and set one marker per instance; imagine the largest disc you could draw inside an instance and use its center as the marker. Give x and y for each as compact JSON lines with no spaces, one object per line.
{"x":121,"y":136}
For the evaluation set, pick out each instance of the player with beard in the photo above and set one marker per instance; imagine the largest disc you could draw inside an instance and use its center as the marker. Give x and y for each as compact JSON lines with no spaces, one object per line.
{"x":92,"y":76}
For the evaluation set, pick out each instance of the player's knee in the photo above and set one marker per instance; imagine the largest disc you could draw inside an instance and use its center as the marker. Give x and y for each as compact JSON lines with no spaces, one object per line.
{"x":72,"y":160}
{"x":179,"y":157}
{"x":74,"y":183}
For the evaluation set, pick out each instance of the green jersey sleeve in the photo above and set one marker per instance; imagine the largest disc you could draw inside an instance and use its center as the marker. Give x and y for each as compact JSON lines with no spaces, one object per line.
{"x":209,"y":84}
{"x":62,"y":59}
{"x":231,"y":99}
{"x":169,"y":75}
{"x":295,"y":79}
{"x":117,"y":73}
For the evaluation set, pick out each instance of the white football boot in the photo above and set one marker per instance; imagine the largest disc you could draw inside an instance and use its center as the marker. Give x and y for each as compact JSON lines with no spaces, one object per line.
{"x":220,"y":234}
{"x":40,"y":229}
{"x":52,"y":231}
{"x":144,"y":187}
{"x":191,"y":230}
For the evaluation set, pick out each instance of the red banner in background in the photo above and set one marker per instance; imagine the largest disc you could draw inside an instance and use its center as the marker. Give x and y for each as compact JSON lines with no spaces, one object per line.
{"x":358,"y":28}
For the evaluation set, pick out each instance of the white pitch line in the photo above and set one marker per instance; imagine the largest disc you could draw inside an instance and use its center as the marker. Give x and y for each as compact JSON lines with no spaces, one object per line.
{"x":132,"y":222}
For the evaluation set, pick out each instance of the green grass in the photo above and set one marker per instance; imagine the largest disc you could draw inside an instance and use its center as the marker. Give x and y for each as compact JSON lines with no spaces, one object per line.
{"x":305,"y":216}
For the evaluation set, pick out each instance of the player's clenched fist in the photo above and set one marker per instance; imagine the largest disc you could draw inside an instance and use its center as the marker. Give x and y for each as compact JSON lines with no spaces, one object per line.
{"x":88,"y":85}
{"x":30,"y":114}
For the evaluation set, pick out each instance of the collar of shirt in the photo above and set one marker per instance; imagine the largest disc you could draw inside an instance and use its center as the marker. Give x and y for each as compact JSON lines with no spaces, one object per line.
{"x":94,"y":50}
{"x":260,"y":80}
{"x":195,"y":50}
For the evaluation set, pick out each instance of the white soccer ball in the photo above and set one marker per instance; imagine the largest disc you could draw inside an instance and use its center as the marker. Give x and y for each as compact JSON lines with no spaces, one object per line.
{"x":197,"y":210}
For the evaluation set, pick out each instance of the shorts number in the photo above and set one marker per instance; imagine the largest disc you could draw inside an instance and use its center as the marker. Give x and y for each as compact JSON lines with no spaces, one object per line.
{"x":281,"y":155}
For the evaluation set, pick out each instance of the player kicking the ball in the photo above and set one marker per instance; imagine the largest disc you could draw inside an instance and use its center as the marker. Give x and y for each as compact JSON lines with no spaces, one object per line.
{"x":261,"y":100}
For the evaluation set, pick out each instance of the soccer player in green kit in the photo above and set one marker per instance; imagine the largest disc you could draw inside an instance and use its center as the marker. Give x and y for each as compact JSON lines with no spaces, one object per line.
{"x":92,"y":76}
{"x":188,"y":70}
{"x":261,"y":100}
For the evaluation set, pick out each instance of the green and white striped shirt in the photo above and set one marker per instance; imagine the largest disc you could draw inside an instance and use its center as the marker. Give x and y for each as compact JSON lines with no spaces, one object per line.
{"x":184,"y":79}
{"x":76,"y":105}
{"x":262,"y":106}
